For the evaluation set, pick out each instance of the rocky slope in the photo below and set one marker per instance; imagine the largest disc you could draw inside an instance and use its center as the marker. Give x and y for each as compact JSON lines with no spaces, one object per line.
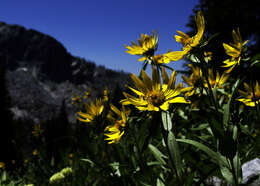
{"x":41,"y":73}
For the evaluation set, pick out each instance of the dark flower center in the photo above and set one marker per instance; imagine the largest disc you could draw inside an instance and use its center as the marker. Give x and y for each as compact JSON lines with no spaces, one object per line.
{"x":156,"y":98}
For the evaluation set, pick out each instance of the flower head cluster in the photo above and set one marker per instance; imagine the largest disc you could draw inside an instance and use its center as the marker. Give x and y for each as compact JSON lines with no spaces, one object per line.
{"x":234,"y":50}
{"x":217,"y":81}
{"x":116,"y":131}
{"x":152,"y":95}
{"x":192,"y":81}
{"x":187,"y":41}
{"x":92,"y":110}
{"x":146,"y":46}
{"x":251,"y":98}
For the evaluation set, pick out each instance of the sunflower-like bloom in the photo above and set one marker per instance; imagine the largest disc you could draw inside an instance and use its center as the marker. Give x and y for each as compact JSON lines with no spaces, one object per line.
{"x":192,"y":81}
{"x":146,"y":46}
{"x":92,"y":111}
{"x":152,"y":95}
{"x":187,"y":41}
{"x":217,"y":81}
{"x":116,"y":131}
{"x":250,"y":99}
{"x":234,"y":50}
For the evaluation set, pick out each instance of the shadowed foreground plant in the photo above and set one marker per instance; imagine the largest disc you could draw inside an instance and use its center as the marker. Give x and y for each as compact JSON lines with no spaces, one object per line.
{"x":167,"y":142}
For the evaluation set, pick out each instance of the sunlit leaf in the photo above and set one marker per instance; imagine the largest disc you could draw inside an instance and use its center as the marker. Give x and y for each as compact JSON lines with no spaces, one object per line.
{"x":157,"y":154}
{"x":175,"y":153}
{"x":167,"y":122}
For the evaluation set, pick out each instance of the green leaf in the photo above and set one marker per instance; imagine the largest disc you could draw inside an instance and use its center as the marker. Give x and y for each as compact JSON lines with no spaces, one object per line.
{"x":254,"y":63}
{"x":226,"y":115}
{"x":216,"y":157}
{"x":89,"y":161}
{"x":238,"y":168}
{"x":227,"y":174}
{"x":144,"y":184}
{"x":201,"y":127}
{"x":167,"y":122}
{"x":175,"y":153}
{"x":115,"y":166}
{"x":214,"y":91}
{"x":193,"y":58}
{"x":255,"y":60}
{"x":157,"y":154}
{"x":235,"y":133}
{"x":152,"y":163}
{"x":159,"y":182}
{"x":3,"y":177}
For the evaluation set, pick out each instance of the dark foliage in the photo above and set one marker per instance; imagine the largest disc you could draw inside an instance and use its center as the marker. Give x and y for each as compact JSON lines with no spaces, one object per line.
{"x":221,"y":18}
{"x":7,"y":142}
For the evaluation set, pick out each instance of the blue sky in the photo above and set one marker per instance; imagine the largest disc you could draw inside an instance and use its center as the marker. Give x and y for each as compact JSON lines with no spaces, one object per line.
{"x":98,"y":29}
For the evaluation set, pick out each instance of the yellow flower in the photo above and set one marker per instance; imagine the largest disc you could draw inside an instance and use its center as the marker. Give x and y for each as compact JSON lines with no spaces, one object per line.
{"x":116,"y":131}
{"x":208,"y":56}
{"x":250,"y":99}
{"x":37,"y":131}
{"x":76,"y":100}
{"x":152,"y":95}
{"x":92,"y":111}
{"x":164,"y":58}
{"x":25,"y":161}
{"x":234,"y":50}
{"x":105,"y":94}
{"x":146,"y":46}
{"x":35,"y":152}
{"x":192,"y":81}
{"x":87,"y":94}
{"x":2,"y":165}
{"x":187,"y":41}
{"x":219,"y":81}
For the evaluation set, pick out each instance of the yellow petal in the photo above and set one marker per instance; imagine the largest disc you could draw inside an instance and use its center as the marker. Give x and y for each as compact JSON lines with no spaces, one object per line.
{"x":178,"y":100}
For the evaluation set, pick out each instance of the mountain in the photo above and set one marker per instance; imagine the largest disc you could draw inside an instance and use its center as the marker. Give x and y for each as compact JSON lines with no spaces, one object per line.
{"x":41,"y":73}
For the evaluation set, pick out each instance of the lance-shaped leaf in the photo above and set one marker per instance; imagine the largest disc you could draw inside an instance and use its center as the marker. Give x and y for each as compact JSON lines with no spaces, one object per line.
{"x":167,"y":122}
{"x":157,"y":154}
{"x":175,"y":153}
{"x":216,"y":157}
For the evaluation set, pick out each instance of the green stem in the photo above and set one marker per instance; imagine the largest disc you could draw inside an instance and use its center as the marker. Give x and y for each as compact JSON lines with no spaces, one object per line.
{"x":233,"y":172}
{"x":165,"y":137}
{"x":140,"y":157}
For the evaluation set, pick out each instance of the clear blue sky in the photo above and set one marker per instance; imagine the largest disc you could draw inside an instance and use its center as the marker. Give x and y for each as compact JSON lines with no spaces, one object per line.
{"x":98,"y":29}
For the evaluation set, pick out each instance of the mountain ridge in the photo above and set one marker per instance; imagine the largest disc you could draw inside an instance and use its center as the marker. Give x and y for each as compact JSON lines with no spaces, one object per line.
{"x":41,"y":73}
